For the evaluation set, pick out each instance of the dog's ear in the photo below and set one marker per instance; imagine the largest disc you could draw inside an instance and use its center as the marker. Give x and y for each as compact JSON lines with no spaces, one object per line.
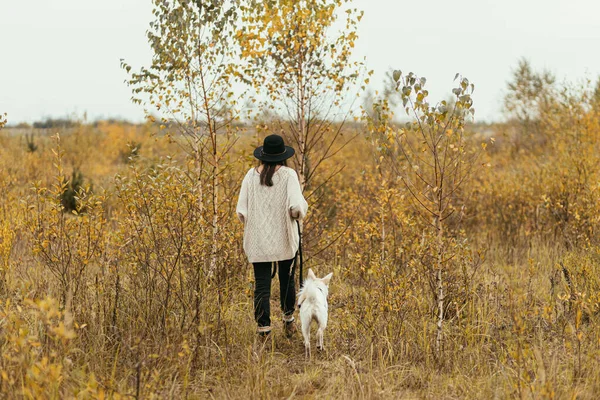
{"x":311,"y":274}
{"x":327,"y":278}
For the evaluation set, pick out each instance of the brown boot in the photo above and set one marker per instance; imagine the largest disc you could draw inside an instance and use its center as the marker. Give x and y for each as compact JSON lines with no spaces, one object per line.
{"x":289,"y":329}
{"x":262,"y":341}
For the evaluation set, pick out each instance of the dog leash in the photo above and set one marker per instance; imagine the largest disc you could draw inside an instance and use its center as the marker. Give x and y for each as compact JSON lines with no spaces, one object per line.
{"x":300,"y":280}
{"x":297,"y":258}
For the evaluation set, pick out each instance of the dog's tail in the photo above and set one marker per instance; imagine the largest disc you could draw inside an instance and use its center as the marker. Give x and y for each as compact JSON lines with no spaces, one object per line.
{"x":301,"y":297}
{"x":308,"y":294}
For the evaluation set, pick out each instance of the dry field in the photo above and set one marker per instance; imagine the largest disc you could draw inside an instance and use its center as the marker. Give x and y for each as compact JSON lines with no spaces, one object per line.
{"x":111,"y":286}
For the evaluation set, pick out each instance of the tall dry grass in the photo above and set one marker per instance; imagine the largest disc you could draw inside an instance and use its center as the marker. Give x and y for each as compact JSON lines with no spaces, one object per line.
{"x":115,"y":300}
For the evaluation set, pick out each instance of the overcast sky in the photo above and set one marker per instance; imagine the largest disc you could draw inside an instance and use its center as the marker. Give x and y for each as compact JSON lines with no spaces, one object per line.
{"x":61,"y":57}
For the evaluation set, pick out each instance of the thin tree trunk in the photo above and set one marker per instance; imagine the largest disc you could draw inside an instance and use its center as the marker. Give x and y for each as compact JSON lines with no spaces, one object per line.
{"x":215,"y":202}
{"x":302,"y":141}
{"x":302,"y":134}
{"x":439,"y":286}
{"x":382,"y":213}
{"x":115,"y":306}
{"x":212,"y":131}
{"x":198,"y":163}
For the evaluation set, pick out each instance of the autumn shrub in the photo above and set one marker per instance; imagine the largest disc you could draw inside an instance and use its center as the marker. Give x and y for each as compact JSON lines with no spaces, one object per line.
{"x":131,"y":153}
{"x":7,"y":229}
{"x":430,"y":157}
{"x":545,"y":189}
{"x":162,"y":246}
{"x":73,"y":187}
{"x":66,"y":241}
{"x":39,"y":353}
{"x":375,"y":251}
{"x":576,"y":279}
{"x":31,"y":146}
{"x":162,"y":272}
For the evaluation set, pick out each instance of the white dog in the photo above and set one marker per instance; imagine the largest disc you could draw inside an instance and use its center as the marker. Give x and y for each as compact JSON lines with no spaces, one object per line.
{"x":312,"y":302}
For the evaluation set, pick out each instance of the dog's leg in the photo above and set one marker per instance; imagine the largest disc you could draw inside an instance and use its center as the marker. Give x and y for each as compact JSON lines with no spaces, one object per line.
{"x":307,"y":351}
{"x":322,"y":324}
{"x":306,"y":335}
{"x":320,"y":339}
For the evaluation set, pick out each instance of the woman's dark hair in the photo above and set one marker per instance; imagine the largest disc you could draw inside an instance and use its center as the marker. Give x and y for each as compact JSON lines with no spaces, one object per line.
{"x":266,"y":175}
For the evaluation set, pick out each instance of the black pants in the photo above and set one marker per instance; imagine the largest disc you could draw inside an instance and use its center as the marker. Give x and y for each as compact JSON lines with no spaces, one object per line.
{"x":262,"y":292}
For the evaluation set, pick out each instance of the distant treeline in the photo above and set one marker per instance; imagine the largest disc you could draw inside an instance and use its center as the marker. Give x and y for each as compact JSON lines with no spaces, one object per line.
{"x":66,"y":123}
{"x":52,"y":123}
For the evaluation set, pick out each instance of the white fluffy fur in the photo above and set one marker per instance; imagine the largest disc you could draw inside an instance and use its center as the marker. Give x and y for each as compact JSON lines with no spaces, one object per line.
{"x":312,"y":301}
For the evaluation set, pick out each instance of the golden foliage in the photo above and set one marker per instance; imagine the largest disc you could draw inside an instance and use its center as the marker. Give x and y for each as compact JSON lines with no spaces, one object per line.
{"x":119,"y":299}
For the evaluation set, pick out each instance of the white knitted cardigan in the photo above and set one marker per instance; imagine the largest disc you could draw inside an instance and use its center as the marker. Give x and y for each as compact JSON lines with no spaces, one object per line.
{"x":269,"y":214}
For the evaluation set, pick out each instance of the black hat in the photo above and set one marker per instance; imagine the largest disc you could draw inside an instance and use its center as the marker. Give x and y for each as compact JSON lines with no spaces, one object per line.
{"x":273,"y":150}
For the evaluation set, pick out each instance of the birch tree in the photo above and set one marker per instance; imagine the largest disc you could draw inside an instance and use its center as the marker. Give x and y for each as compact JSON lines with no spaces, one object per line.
{"x":432,"y":157}
{"x":303,"y":71}
{"x":188,"y":85}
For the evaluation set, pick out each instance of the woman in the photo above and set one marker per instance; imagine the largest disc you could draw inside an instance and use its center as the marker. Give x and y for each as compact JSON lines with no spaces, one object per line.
{"x":269,"y":204}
